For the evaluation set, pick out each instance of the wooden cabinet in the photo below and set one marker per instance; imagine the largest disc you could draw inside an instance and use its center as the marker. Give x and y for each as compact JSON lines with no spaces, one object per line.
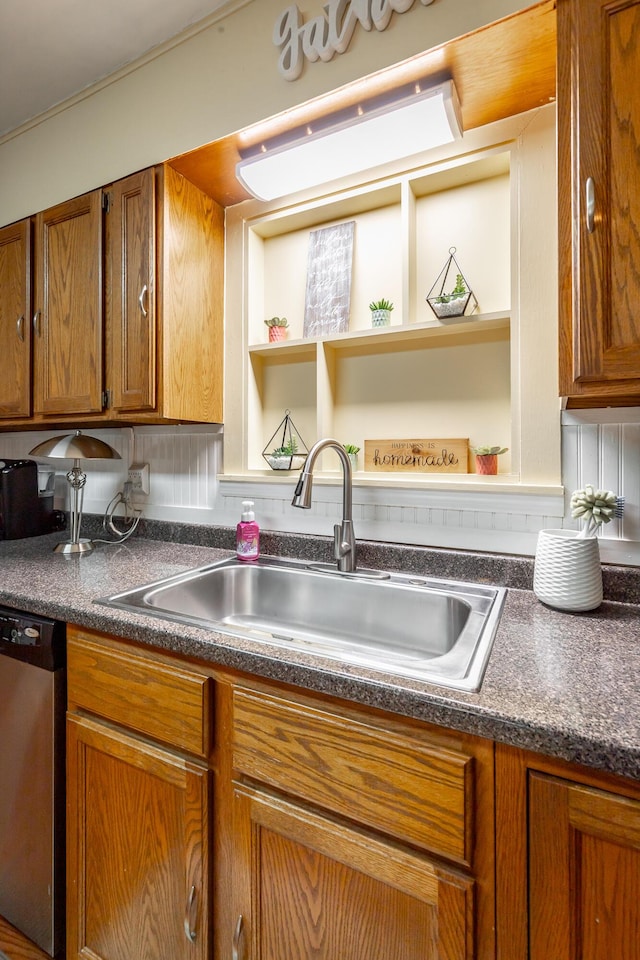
{"x":138,"y":831}
{"x":568,"y":844}
{"x":127,"y":307}
{"x":599,"y":167}
{"x":68,"y":318}
{"x":15,"y":320}
{"x":357,"y":837}
{"x":164,"y":299}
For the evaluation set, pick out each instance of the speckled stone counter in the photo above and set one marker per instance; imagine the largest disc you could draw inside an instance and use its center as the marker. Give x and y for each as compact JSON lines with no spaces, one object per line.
{"x":567,"y":685}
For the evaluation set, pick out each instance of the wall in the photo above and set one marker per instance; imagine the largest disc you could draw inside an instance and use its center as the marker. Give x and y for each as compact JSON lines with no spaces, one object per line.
{"x":218,"y":79}
{"x":174,"y":100}
{"x":600,"y":447}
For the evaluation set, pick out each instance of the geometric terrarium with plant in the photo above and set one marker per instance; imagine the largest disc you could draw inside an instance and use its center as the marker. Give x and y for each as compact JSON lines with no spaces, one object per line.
{"x":286,"y":450}
{"x":451,"y":295}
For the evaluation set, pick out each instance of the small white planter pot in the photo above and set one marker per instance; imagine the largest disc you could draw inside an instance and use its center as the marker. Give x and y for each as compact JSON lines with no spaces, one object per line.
{"x":567,"y":571}
{"x":380,"y":318}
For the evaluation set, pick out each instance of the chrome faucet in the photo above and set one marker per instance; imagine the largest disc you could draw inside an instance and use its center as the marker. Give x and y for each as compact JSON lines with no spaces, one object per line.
{"x":344,"y":541}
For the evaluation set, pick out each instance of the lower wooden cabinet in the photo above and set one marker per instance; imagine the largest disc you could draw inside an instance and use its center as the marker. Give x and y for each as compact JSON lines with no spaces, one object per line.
{"x":138,"y":842}
{"x":308,"y":886}
{"x":340,"y":832}
{"x":568,"y":861}
{"x":584,"y":872}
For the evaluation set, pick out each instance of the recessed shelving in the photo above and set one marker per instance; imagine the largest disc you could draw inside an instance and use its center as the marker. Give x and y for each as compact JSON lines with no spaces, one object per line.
{"x":420,"y":376}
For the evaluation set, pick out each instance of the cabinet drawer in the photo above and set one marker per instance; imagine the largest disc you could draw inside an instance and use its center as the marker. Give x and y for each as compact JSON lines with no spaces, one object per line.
{"x":165,"y":702}
{"x":417,"y":792}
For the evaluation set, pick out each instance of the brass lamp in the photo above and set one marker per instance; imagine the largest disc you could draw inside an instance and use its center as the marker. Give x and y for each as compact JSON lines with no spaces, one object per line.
{"x":75,"y":446}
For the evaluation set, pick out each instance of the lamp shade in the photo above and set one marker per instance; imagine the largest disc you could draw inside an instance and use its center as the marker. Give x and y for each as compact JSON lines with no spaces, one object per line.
{"x":75,"y":446}
{"x":415,"y":120}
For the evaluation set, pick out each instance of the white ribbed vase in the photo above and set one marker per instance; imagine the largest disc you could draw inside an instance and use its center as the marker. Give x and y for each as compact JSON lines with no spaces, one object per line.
{"x":567,"y":571}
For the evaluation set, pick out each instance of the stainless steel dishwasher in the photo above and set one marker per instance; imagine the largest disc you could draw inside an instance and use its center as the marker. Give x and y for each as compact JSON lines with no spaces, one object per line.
{"x":32,"y":768}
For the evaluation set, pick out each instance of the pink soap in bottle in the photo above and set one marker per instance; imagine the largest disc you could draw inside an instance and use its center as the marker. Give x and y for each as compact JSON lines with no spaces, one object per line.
{"x":248,"y":534}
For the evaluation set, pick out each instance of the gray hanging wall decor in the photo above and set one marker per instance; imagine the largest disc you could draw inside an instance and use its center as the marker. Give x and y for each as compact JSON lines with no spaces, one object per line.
{"x":328,"y":295}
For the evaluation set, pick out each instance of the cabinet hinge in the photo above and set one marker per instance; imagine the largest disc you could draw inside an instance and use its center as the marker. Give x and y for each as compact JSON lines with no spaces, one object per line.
{"x":106,"y":399}
{"x":106,"y":201}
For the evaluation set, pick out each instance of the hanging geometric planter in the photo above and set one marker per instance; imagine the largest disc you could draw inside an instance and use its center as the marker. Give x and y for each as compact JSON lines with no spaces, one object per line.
{"x":458,"y":294}
{"x":286,"y":450}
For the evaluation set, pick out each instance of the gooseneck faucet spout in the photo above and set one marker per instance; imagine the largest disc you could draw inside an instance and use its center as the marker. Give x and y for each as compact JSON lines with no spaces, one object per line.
{"x":344,"y":547}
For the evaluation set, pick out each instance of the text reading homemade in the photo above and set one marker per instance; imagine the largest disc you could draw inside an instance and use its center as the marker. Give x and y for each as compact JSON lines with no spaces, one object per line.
{"x":417,"y":456}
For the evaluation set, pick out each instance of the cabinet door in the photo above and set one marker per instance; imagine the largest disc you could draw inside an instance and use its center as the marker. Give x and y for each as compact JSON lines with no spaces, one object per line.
{"x":599,"y":164}
{"x":584,"y":872}
{"x":308,"y":887}
{"x":137,"y":842}
{"x":68,"y":307}
{"x":131,"y":292}
{"x":15,"y":320}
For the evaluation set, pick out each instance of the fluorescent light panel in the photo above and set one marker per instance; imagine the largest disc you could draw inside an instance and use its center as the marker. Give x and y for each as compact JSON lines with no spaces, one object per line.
{"x":423,"y":120}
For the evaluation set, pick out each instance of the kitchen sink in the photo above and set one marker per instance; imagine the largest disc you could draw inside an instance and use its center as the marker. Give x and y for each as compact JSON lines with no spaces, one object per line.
{"x":439,"y":631}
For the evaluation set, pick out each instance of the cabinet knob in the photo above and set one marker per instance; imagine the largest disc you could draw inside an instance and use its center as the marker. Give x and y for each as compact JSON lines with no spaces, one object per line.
{"x":590,"y":203}
{"x":189,"y":921}
{"x":141,"y":300}
{"x":237,"y":933}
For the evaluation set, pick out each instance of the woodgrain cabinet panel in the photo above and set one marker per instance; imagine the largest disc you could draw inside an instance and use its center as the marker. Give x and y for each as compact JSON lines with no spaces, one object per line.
{"x":309,"y":887}
{"x":15,"y":320}
{"x":167,"y":703}
{"x":584,"y":872}
{"x":599,"y":213}
{"x":388,"y":781}
{"x":138,"y":841}
{"x":131,"y":291}
{"x":68,"y":321}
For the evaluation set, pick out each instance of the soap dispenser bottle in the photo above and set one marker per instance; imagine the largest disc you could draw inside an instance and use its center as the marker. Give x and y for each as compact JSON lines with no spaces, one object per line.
{"x":247,"y":534}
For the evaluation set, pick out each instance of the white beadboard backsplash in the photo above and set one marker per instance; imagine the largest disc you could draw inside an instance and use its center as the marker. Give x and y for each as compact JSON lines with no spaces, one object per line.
{"x":601,"y":447}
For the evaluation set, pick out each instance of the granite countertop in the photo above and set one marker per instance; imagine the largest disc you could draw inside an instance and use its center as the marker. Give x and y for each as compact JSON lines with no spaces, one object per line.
{"x":563,"y":684}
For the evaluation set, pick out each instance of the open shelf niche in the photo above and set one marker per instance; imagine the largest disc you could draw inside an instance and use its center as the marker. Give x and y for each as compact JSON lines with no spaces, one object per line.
{"x":419,"y":377}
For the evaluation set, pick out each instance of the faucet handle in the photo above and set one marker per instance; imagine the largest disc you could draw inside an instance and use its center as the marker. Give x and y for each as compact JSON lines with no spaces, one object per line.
{"x":337,"y":542}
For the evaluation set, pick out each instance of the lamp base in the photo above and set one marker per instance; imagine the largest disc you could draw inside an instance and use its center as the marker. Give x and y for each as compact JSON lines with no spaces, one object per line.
{"x":69,"y":547}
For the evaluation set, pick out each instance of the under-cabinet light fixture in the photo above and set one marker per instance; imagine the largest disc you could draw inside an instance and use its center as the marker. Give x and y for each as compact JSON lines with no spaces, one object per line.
{"x":417,"y":118}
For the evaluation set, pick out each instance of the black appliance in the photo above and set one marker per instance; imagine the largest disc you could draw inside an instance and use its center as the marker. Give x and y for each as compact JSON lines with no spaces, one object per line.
{"x":32,"y":770}
{"x":25,"y":511}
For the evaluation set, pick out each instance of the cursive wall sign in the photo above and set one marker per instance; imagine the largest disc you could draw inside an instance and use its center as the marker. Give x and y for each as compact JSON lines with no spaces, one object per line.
{"x":321,"y":37}
{"x":417,"y":456}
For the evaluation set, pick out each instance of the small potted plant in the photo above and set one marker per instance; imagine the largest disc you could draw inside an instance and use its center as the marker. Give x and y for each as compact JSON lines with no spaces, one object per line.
{"x":487,"y":459}
{"x":281,"y":458}
{"x":352,"y":452}
{"x":277,"y":328}
{"x":452,"y":304}
{"x":380,"y":313}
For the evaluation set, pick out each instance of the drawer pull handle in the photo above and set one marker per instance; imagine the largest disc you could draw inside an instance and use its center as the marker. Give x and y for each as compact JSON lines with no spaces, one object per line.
{"x":189,"y":927}
{"x":20,"y":328}
{"x":143,"y":294}
{"x":237,"y":933}
{"x":36,"y":323}
{"x":590,"y":200}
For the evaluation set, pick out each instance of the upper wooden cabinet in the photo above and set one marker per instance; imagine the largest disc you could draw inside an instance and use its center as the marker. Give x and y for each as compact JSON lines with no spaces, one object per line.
{"x":68,"y":333}
{"x":127,"y":307}
{"x":164,"y":299}
{"x":599,"y":201}
{"x":15,"y":320}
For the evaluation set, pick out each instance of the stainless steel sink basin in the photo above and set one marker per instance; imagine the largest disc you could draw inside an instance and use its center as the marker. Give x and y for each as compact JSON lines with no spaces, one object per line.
{"x":438,"y":631}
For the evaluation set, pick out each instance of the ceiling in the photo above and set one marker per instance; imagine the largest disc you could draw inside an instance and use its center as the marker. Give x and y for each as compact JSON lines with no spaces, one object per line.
{"x":52,"y":49}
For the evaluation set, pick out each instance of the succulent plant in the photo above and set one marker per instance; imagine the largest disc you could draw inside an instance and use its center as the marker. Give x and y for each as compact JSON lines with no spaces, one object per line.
{"x":289,"y":449}
{"x":351,"y":448}
{"x":460,"y":290}
{"x":488,"y":451}
{"x":594,"y":507}
{"x":277,"y":322}
{"x":381,"y":305}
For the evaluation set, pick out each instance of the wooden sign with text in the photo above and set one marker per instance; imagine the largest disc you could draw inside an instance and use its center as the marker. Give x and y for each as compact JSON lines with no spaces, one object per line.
{"x":417,"y":456}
